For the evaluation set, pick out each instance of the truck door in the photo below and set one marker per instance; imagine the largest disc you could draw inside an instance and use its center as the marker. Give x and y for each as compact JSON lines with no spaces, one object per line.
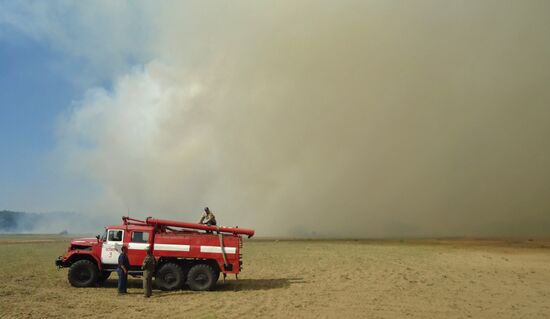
{"x":137,"y":249}
{"x":112,"y":247}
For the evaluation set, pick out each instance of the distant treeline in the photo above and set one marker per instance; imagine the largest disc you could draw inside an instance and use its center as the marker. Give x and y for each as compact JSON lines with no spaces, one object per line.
{"x":22,"y":222}
{"x":17,"y":221}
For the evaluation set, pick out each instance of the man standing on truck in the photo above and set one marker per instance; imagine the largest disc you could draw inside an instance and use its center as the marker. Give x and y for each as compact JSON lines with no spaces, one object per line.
{"x":208,"y":218}
{"x":122,"y":270}
{"x":148,"y":268}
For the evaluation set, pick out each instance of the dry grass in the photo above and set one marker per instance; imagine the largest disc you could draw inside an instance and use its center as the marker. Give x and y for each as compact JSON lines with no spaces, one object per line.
{"x":303,"y":279}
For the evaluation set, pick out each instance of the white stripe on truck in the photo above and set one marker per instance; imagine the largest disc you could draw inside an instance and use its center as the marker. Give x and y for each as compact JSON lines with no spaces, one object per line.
{"x":218,"y":249}
{"x":138,"y":246}
{"x":172,"y":247}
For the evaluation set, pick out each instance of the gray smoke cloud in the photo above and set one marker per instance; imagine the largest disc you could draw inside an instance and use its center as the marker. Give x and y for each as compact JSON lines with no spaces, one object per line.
{"x":347,"y":119}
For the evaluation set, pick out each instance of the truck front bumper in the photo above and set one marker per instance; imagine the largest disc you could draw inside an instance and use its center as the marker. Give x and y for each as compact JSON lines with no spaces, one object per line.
{"x":59,"y":263}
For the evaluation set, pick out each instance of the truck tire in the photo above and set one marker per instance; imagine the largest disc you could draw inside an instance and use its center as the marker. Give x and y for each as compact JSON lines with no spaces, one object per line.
{"x":83,"y":273}
{"x":169,"y":277}
{"x":201,"y":277}
{"x":103,"y":276}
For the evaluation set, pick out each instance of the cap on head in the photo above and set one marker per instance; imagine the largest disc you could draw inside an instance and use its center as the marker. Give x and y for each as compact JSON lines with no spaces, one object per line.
{"x":206,"y":209}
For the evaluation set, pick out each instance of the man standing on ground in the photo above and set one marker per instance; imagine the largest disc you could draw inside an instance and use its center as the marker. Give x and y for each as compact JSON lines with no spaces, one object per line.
{"x":122,"y":270}
{"x":148,"y":267}
{"x":208,"y":218}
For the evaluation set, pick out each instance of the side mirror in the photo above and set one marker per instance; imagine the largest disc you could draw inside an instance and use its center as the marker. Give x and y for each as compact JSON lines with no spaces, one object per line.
{"x":97,"y":237}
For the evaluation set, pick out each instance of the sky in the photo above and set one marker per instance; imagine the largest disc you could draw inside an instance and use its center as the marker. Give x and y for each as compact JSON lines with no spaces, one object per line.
{"x":33,"y":93}
{"x":295,"y":118}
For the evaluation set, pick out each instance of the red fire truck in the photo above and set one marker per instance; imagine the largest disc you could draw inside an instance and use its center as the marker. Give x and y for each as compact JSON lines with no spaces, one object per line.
{"x":186,"y":253}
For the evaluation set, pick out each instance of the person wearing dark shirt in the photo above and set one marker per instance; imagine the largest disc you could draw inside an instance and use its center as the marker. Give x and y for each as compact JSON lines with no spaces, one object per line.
{"x":122,"y":270}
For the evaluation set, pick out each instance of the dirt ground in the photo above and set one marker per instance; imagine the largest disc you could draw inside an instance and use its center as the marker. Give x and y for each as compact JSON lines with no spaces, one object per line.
{"x":303,"y":279}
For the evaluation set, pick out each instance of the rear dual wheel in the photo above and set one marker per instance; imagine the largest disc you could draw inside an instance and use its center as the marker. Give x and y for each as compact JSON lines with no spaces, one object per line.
{"x":202,"y":277}
{"x":169,"y":277}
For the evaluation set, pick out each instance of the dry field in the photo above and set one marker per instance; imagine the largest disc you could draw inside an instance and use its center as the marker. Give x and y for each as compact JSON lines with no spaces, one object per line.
{"x":303,"y":279}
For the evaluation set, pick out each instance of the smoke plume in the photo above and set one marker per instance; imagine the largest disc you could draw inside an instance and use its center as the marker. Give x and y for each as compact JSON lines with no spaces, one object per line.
{"x":325,"y":118}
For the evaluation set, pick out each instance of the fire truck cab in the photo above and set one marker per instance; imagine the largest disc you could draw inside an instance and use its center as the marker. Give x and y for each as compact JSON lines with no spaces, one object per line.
{"x":186,"y":253}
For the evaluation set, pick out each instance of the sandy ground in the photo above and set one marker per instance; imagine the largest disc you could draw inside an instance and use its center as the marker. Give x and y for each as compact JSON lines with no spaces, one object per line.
{"x":303,"y":279}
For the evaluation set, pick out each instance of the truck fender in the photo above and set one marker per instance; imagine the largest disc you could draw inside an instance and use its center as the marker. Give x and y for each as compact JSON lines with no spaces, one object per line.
{"x":73,"y":255}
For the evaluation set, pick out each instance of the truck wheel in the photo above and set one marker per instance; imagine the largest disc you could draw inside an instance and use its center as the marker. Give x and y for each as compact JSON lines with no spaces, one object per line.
{"x":201,"y":277}
{"x":103,"y":276}
{"x":83,"y":273}
{"x":169,"y":277}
